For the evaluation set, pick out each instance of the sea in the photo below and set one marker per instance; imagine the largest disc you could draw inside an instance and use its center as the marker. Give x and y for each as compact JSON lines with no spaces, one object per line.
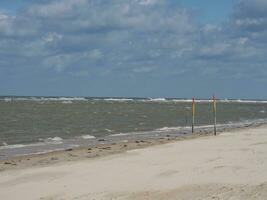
{"x":35,"y":125}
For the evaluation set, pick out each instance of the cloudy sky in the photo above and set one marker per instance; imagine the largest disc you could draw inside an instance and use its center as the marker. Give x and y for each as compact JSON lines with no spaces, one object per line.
{"x":142,"y":48}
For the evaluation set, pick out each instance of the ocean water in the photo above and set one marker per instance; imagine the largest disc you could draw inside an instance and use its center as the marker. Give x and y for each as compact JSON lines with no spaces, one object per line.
{"x":40,"y":120}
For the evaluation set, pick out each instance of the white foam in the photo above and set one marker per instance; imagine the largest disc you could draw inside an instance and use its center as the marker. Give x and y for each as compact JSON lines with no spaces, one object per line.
{"x":229,"y":124}
{"x":42,"y":152}
{"x":55,"y":139}
{"x":67,"y":99}
{"x":52,"y":140}
{"x":243,"y":101}
{"x":112,"y":99}
{"x":45,"y":99}
{"x":87,"y":137}
{"x":182,"y":100}
{"x":7,"y":99}
{"x":4,"y":144}
{"x":168,"y":128}
{"x":120,"y":134}
{"x":16,"y":146}
{"x":157,"y":99}
{"x":70,"y":99}
{"x":67,"y":102}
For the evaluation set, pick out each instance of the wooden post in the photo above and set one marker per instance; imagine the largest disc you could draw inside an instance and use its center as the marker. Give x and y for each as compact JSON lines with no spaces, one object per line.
{"x":215,"y":115}
{"x":193,"y":114}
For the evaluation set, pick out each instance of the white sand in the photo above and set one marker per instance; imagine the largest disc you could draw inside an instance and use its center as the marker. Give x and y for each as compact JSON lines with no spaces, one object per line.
{"x":230,"y":166}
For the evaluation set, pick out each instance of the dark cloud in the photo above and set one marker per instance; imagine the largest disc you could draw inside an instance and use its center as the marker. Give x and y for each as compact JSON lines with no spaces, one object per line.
{"x":250,"y":16}
{"x":251,"y":9}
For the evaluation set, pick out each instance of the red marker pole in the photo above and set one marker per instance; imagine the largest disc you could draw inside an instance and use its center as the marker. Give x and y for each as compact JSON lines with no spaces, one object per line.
{"x":193,"y":114}
{"x":215,"y":115}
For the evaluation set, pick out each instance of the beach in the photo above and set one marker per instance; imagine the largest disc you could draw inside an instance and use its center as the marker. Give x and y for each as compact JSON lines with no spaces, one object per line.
{"x":133,"y":100}
{"x":230,"y":166}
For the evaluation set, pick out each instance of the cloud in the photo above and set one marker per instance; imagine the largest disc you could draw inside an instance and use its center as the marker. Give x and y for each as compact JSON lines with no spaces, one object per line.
{"x":52,"y":37}
{"x":95,"y":54}
{"x":139,"y":37}
{"x":251,"y":9}
{"x":127,"y":31}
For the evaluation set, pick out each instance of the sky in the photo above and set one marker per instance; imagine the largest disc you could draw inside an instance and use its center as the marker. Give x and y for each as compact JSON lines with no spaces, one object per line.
{"x":134,"y":48}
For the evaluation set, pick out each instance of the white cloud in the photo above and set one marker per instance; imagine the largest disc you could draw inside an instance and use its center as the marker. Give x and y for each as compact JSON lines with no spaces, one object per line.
{"x":243,"y":40}
{"x":129,"y":36}
{"x":143,"y":69}
{"x":148,"y":2}
{"x":95,"y":54}
{"x":58,"y":8}
{"x":52,"y":36}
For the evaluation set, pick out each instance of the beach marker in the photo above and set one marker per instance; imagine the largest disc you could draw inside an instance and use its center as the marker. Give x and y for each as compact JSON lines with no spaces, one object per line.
{"x":215,"y":115}
{"x":193,"y":114}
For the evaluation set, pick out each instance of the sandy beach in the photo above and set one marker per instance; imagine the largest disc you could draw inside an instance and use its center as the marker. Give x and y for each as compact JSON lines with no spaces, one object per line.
{"x":230,"y":166}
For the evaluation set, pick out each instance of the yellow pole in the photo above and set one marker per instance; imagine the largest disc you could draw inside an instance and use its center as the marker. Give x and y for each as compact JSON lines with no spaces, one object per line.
{"x":193,"y":114}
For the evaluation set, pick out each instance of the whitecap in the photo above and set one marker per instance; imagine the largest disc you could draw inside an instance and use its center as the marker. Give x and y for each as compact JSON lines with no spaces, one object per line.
{"x":53,"y":140}
{"x":112,"y":99}
{"x":87,"y":137}
{"x":4,"y":144}
{"x":157,"y":99}
{"x":169,"y":128}
{"x":120,"y":134}
{"x":67,"y":102}
{"x":16,"y":146}
{"x":13,"y":146}
{"x":7,"y":99}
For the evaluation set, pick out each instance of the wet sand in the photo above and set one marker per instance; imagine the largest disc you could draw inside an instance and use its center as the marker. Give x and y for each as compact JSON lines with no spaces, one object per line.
{"x":230,"y":166}
{"x":101,"y":149}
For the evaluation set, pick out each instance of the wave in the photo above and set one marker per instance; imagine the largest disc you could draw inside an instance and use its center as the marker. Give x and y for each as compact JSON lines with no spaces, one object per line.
{"x":172,"y":128}
{"x":4,"y":144}
{"x":226,"y":125}
{"x":54,"y":143}
{"x":157,"y":99}
{"x":51,"y":139}
{"x":120,"y":134}
{"x":43,"y":152}
{"x":87,"y":137}
{"x":242,"y":101}
{"x":161,"y":100}
{"x":42,"y":142}
{"x":17,"y":146}
{"x":241,"y":124}
{"x":66,"y":99}
{"x":9,"y":99}
{"x":114,"y":99}
{"x":67,"y":102}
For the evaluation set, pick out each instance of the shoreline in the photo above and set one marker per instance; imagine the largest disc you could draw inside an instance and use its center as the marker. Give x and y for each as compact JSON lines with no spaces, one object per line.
{"x":229,"y":166}
{"x":90,"y":152}
{"x":105,"y":148}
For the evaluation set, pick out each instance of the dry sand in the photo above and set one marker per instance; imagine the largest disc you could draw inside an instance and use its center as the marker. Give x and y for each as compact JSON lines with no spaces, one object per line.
{"x":230,"y":166}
